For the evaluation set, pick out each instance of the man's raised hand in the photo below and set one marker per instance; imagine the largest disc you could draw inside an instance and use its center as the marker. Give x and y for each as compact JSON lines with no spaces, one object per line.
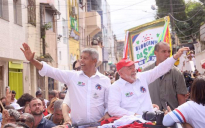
{"x":180,"y":52}
{"x":27,"y":52}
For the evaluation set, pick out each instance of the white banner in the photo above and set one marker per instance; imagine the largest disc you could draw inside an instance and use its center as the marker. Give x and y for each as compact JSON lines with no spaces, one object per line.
{"x":143,"y":44}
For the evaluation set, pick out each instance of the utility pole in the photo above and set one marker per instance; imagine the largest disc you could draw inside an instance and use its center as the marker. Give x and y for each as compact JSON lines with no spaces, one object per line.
{"x":171,"y":11}
{"x":172,"y":26}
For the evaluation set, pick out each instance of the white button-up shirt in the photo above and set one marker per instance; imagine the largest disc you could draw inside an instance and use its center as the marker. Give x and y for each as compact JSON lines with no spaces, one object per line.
{"x":87,"y":97}
{"x":127,"y":99}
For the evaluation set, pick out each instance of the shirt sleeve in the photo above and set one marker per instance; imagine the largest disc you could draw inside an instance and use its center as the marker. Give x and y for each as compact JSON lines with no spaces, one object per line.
{"x":61,"y":75}
{"x":180,"y":115}
{"x":114,"y":101}
{"x":180,"y":82}
{"x":168,"y":121}
{"x":159,"y":70}
{"x":67,"y":99}
{"x":106,"y":95}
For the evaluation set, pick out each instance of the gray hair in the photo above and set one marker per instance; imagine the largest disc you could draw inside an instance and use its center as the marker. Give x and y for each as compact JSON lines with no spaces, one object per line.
{"x":157,"y":46}
{"x":11,"y":125}
{"x":58,"y":104}
{"x":29,"y":117}
{"x":92,"y":52}
{"x":14,"y":113}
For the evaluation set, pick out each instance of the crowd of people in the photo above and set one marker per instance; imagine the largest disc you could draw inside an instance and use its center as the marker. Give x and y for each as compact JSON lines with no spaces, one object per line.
{"x":89,"y":98}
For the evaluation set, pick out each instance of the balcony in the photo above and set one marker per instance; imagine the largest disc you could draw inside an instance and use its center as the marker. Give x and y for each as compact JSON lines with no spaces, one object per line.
{"x":93,"y":23}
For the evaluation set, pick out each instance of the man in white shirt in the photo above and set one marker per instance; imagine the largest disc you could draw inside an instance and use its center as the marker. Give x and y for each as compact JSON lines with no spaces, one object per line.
{"x":88,"y":88}
{"x":130,"y":94}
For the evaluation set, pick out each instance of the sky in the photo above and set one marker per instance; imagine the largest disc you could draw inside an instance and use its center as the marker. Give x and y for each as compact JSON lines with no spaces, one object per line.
{"x":126,"y":14}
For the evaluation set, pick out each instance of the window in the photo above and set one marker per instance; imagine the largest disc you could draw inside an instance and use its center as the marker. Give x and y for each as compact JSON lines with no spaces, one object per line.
{"x":4,"y":10}
{"x":17,"y":12}
{"x":1,"y":72}
{"x":60,"y":55}
{"x":88,"y":5}
{"x":58,"y":5}
{"x":32,"y":12}
{"x":49,"y":19}
{"x":65,"y":29}
{"x":1,"y":8}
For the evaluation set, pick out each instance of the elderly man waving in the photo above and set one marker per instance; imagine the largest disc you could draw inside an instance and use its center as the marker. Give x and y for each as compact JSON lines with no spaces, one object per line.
{"x":130,"y":94}
{"x":88,"y":88}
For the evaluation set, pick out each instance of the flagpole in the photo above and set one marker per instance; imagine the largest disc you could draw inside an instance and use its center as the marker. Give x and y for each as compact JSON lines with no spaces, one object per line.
{"x":125,"y":52}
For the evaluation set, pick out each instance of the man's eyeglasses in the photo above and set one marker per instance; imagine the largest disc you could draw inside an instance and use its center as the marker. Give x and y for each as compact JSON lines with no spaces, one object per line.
{"x":21,"y":120}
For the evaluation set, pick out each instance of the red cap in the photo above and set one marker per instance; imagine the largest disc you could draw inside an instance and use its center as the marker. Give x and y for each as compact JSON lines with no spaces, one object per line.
{"x":124,"y":63}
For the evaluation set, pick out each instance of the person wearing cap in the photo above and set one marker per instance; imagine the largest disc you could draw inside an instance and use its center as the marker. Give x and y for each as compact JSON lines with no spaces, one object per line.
{"x":17,"y":107}
{"x":88,"y":88}
{"x":129,"y":95}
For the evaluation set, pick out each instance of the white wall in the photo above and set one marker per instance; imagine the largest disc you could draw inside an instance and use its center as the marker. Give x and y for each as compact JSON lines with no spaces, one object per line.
{"x":62,"y":44}
{"x":12,"y":35}
{"x":11,"y":38}
{"x":199,"y":57}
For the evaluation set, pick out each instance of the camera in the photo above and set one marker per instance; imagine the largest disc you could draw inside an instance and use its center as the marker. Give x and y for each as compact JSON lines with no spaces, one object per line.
{"x":154,"y":116}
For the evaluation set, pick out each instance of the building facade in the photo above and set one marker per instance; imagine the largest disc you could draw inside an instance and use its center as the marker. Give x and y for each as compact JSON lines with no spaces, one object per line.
{"x":62,"y":38}
{"x":12,"y":35}
{"x":74,"y":35}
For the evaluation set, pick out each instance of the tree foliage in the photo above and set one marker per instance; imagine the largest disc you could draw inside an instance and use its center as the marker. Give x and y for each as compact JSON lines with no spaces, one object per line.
{"x":192,"y":13}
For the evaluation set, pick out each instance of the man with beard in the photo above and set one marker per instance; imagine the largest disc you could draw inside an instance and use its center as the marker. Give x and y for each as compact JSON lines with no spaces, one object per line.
{"x":36,"y":109}
{"x":130,"y":94}
{"x":88,"y":88}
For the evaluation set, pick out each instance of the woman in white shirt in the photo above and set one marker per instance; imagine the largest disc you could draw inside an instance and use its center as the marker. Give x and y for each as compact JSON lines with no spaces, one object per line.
{"x":191,"y":112}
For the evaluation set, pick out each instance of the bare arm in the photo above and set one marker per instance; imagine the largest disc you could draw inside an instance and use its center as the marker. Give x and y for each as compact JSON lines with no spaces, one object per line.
{"x":65,"y":111}
{"x":181,"y":98}
{"x":30,"y":56}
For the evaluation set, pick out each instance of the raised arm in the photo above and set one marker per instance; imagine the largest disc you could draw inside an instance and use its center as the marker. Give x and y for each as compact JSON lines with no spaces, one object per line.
{"x":30,"y":56}
{"x":45,"y":69}
{"x":163,"y":67}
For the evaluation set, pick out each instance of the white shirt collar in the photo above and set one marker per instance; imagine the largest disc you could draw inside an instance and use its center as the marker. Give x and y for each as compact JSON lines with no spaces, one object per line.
{"x":96,"y":74}
{"x":124,"y":81}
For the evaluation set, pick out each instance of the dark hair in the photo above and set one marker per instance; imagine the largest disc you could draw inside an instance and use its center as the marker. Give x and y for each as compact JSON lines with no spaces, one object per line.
{"x":29,"y":117}
{"x":1,"y":109}
{"x":13,"y":92}
{"x":198,"y":90}
{"x":3,"y":98}
{"x":24,"y":98}
{"x":117,"y":76}
{"x":52,"y":93}
{"x":74,"y":63}
{"x":10,"y":125}
{"x":32,"y":100}
{"x":22,"y":125}
{"x":61,"y":93}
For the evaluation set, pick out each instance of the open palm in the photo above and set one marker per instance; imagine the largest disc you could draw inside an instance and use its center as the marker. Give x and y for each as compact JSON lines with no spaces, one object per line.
{"x":27,"y":52}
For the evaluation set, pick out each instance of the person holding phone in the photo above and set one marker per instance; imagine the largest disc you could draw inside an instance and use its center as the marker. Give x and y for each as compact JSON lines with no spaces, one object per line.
{"x":191,"y":112}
